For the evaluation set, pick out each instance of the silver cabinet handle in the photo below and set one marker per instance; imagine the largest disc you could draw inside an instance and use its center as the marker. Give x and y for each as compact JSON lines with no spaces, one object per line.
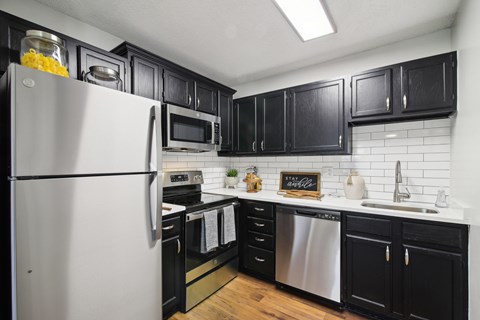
{"x":407,"y":258}
{"x":388,"y":103}
{"x":259,"y":259}
{"x":387,"y":253}
{"x":404,"y":101}
{"x":198,"y":102}
{"x":254,"y":143}
{"x":259,"y":224}
{"x":179,"y":246}
{"x":259,"y":239}
{"x":340,"y":141}
{"x":258,"y":209}
{"x":262,"y":146}
{"x":170,"y":227}
{"x":189,"y":99}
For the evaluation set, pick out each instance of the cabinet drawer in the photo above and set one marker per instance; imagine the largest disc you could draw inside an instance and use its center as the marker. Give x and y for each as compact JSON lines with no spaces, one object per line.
{"x":259,"y":209}
{"x":260,"y":240}
{"x":433,"y":234}
{"x":260,"y":225}
{"x":171,"y":227}
{"x":260,"y":260}
{"x":375,"y":226}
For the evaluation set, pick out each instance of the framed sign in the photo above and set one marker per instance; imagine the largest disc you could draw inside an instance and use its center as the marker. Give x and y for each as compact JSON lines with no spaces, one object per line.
{"x":304,"y":181}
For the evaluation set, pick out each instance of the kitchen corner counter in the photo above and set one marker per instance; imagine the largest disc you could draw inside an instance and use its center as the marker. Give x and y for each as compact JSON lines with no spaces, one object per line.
{"x":168,"y":209}
{"x":450,"y":215}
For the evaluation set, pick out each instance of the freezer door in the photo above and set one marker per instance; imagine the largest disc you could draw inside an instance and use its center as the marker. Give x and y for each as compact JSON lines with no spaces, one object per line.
{"x":67,"y":127}
{"x":83,"y":249}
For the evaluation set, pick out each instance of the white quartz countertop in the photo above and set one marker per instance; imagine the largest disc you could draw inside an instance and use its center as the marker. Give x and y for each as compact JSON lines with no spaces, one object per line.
{"x":451,"y":215}
{"x":168,"y":208}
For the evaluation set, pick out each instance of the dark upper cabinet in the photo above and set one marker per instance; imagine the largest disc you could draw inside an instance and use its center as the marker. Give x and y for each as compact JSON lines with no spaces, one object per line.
{"x":225,"y":111}
{"x":178,"y":89}
{"x":272,"y":122}
{"x":369,"y":273}
{"x":145,"y":77}
{"x":96,"y":57}
{"x":206,"y":98}
{"x":428,"y":84}
{"x":372,"y":93}
{"x":317,"y":117}
{"x":433,"y":284}
{"x":406,"y":269}
{"x":245,"y":126}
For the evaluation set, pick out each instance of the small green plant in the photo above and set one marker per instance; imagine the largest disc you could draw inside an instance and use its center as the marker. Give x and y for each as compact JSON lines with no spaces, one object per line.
{"x":232,"y":172}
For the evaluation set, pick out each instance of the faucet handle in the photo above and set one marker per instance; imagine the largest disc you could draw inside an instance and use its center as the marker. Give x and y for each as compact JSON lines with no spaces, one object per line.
{"x":408,"y":193}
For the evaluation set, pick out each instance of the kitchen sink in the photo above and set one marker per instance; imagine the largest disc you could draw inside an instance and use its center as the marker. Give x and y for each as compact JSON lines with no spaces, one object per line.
{"x":378,"y":205}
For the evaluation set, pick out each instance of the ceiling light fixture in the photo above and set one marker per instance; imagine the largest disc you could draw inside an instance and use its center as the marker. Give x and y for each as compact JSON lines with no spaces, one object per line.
{"x":307,"y":17}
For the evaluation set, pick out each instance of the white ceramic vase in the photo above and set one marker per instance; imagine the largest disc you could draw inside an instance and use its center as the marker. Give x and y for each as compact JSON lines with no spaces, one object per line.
{"x":354,"y":186}
{"x":231,"y":182}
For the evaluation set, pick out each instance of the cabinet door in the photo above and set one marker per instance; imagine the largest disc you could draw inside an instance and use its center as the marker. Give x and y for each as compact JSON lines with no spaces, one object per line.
{"x":271,"y":122}
{"x":145,"y":78}
{"x":226,"y":115}
{"x":89,"y":57}
{"x":433,"y":284}
{"x":206,"y":98}
{"x":372,"y":93}
{"x":428,"y":84}
{"x":171,"y":276}
{"x":317,"y":117}
{"x":178,"y":89}
{"x":245,"y":126}
{"x":369,"y":273}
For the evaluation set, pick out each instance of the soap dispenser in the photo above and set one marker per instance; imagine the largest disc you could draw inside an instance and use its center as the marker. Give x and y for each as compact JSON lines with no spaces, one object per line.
{"x":441,"y":201}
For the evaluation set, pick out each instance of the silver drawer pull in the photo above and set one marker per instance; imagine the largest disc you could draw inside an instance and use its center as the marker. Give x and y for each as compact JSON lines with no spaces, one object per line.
{"x":259,"y":239}
{"x":407,"y":257}
{"x":388,"y":103}
{"x":170,"y":227}
{"x":179,"y":246}
{"x":258,"y":209}
{"x":260,"y":224}
{"x":259,"y":259}
{"x":404,"y":101}
{"x":387,"y":254}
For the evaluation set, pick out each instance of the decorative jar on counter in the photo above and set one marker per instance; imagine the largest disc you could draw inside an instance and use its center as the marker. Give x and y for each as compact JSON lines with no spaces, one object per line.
{"x":44,"y":51}
{"x":354,"y":186}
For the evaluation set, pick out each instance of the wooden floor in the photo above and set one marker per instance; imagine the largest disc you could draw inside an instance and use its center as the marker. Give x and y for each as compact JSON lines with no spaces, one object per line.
{"x":247,"y":298}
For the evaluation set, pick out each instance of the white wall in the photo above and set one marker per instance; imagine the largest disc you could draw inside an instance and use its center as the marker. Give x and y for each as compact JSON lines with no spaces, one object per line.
{"x":466,"y":134}
{"x":427,"y":45}
{"x":47,"y":17}
{"x":423,"y":147}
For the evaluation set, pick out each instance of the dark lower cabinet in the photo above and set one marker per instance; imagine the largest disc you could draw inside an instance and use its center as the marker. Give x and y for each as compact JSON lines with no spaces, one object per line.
{"x":405,"y":269}
{"x":173,"y":265}
{"x":257,"y":239}
{"x":369,"y":273}
{"x":245,"y":126}
{"x":317,"y":117}
{"x":145,"y":78}
{"x":433,"y":284}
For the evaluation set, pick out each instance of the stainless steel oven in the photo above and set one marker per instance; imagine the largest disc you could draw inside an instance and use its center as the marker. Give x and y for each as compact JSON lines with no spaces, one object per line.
{"x":189,"y":130}
{"x":206,"y":272}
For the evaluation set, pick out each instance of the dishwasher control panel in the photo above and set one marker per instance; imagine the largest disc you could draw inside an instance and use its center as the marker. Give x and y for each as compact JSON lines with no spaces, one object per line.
{"x":334,"y":216}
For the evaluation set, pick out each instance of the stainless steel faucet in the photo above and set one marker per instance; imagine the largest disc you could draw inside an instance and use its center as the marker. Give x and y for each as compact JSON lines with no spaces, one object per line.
{"x":397,"y":195}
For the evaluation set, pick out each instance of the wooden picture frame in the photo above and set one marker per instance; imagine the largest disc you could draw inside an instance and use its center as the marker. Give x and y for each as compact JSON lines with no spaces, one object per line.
{"x":300,"y":181}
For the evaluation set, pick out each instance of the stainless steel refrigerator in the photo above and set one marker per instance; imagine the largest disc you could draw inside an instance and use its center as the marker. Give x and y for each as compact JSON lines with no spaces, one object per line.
{"x":84,"y":173}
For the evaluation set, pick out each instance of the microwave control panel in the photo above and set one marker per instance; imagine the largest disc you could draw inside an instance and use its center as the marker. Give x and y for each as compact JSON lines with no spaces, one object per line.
{"x":217,"y":133}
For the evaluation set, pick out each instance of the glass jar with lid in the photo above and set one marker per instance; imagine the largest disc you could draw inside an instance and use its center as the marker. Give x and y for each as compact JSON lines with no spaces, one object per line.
{"x":44,"y":51}
{"x":103,"y":76}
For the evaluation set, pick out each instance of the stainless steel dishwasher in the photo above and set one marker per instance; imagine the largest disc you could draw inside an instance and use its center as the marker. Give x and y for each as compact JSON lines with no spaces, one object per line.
{"x":307,"y":250}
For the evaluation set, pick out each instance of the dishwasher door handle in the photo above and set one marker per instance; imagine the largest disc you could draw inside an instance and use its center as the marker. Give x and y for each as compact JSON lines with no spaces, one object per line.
{"x":306,"y":213}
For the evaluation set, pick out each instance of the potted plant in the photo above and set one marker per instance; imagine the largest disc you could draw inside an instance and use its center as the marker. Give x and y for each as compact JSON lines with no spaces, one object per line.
{"x":231,"y":180}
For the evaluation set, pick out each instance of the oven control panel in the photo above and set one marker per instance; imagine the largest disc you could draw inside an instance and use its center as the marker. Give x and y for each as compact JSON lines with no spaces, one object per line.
{"x":181,"y":178}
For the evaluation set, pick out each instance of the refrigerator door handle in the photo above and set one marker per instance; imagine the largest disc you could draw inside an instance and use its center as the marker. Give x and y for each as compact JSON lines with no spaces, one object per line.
{"x":155,"y":168}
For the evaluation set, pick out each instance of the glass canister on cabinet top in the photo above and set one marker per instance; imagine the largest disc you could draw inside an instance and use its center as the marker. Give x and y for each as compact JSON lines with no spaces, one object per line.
{"x":103,"y":76}
{"x":44,"y":51}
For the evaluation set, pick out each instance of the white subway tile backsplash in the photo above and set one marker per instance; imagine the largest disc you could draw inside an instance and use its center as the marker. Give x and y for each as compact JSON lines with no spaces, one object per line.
{"x":438,"y":123}
{"x":361,"y":150}
{"x":437,"y":140}
{"x":369,"y":143}
{"x":437,"y":157}
{"x":389,"y":150}
{"x":361,"y":136}
{"x":373,"y":128}
{"x":429,"y":132}
{"x":437,"y":148}
{"x":404,"y":157}
{"x":389,"y":135}
{"x":404,"y":142}
{"x":436,"y":173}
{"x":370,"y":158}
{"x":429,"y":165}
{"x":404,"y":126}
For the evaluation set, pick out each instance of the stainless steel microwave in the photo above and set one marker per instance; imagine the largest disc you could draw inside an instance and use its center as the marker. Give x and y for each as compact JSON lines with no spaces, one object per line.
{"x":189,"y":130}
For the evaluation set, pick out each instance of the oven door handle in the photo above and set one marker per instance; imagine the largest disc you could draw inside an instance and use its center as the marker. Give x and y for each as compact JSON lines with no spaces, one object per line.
{"x":199,"y":214}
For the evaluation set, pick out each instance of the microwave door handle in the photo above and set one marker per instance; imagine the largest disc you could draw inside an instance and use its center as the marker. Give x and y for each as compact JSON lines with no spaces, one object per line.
{"x":155,"y":169}
{"x":213,"y":132}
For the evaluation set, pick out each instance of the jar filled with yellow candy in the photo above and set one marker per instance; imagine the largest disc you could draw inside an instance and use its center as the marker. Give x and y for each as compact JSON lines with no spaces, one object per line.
{"x":44,"y":51}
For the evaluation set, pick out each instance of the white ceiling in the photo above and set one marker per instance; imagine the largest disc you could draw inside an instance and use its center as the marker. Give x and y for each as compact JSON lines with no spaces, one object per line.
{"x":237,"y":41}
